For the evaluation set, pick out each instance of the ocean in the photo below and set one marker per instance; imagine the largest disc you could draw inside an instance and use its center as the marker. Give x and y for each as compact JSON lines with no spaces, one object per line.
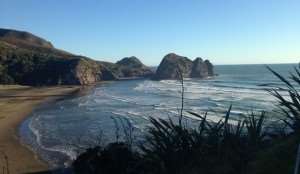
{"x":59,"y":131}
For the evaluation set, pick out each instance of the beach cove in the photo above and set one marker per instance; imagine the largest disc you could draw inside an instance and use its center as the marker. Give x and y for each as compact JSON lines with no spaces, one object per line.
{"x":16,"y":103}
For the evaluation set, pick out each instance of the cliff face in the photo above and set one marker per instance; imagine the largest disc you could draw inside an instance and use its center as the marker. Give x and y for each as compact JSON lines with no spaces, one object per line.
{"x":28,"y":67}
{"x":173,"y":64}
{"x":80,"y":72}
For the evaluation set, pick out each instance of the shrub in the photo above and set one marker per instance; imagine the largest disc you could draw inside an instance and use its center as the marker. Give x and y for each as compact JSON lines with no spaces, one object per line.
{"x":211,"y":148}
{"x":116,"y":158}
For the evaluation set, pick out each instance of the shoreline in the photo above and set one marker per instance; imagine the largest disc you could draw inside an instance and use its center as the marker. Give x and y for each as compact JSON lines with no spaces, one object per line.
{"x":16,"y":104}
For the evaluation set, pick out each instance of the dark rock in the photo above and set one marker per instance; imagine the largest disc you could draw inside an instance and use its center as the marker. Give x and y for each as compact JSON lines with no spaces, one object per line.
{"x":210,"y":68}
{"x":173,"y":64}
{"x":202,"y":69}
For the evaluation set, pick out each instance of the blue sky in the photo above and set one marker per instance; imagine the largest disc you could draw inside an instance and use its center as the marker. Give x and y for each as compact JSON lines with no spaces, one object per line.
{"x":224,"y":31}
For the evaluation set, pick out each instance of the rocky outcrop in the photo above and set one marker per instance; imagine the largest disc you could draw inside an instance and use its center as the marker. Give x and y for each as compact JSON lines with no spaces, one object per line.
{"x":132,"y":67}
{"x":169,"y":66}
{"x":173,"y":65}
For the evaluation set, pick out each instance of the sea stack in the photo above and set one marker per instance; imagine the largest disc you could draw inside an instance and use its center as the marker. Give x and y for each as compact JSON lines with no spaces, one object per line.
{"x":172,"y":64}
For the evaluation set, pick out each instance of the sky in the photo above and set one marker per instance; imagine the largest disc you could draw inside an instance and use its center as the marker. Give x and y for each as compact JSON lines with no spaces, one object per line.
{"x":223,"y":31}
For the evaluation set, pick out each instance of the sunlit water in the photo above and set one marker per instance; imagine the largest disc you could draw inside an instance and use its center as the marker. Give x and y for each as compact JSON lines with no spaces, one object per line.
{"x":58,"y":130}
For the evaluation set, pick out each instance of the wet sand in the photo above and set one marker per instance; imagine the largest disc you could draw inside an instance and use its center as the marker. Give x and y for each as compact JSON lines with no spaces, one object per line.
{"x":16,"y":103}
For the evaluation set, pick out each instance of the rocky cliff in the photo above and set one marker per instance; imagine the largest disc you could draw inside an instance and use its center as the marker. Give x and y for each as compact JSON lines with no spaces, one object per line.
{"x":173,"y":64}
{"x":27,"y":59}
{"x":30,"y":60}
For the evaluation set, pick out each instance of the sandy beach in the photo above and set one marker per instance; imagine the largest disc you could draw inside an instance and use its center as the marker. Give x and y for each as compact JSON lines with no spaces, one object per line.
{"x":16,"y":103}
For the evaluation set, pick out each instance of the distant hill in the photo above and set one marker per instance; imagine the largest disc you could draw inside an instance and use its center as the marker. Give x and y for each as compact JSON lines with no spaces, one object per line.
{"x":133,"y":67}
{"x":27,"y":59}
{"x":23,"y":39}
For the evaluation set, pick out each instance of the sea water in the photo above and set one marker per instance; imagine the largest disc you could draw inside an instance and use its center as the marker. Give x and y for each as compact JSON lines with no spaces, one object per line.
{"x":58,"y":132}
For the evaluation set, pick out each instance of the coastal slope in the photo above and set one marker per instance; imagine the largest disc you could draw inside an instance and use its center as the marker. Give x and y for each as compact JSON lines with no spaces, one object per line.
{"x":27,"y":59}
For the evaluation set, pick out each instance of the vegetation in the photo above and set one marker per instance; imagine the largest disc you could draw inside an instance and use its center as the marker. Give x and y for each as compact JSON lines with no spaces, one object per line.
{"x":211,"y":148}
{"x":290,"y":106}
{"x":22,"y":66}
